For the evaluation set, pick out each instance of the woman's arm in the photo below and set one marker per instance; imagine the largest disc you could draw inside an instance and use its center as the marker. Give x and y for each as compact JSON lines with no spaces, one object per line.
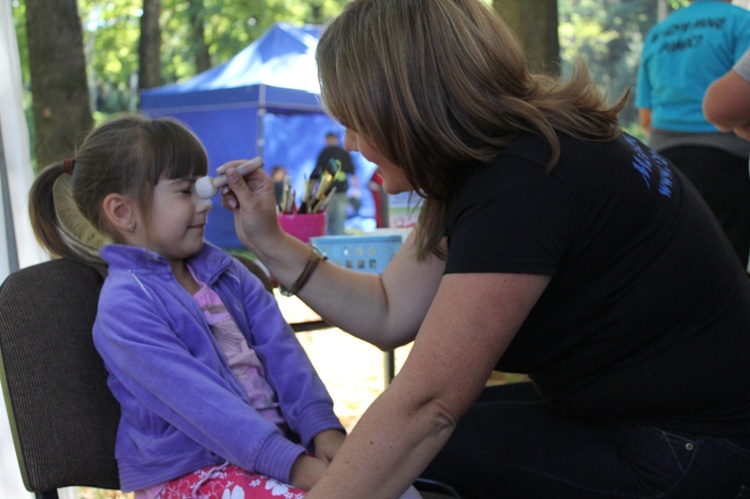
{"x":727,"y":103}
{"x":473,"y":319}
{"x":384,"y":310}
{"x":644,"y":116}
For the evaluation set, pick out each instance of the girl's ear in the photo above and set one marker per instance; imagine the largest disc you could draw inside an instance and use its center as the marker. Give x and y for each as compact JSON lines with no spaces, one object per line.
{"x":120,"y":211}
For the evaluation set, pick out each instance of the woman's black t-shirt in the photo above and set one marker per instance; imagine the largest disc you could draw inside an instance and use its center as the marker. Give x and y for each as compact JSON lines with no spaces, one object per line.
{"x":647,"y":314}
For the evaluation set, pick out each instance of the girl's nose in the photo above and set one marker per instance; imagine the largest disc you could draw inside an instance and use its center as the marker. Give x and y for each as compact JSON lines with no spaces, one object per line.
{"x":203,"y":204}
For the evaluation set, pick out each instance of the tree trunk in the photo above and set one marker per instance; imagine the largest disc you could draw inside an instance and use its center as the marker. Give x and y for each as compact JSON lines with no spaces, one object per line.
{"x":535,"y":23}
{"x":149,"y":46}
{"x":200,"y":48}
{"x":62,"y":111}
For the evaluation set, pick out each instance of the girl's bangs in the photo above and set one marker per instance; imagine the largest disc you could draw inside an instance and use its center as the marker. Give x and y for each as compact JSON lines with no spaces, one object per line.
{"x":184,"y":155}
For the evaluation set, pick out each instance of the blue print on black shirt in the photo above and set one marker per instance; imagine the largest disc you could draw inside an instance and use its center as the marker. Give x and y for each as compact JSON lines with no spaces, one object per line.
{"x":648,"y":163}
{"x":665,"y":179}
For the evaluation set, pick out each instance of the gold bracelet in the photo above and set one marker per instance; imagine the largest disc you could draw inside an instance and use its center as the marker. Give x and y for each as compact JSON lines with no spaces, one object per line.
{"x":310,"y":266}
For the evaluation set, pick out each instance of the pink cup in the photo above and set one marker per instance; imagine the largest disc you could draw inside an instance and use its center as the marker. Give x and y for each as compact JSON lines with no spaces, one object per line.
{"x":305,"y":226}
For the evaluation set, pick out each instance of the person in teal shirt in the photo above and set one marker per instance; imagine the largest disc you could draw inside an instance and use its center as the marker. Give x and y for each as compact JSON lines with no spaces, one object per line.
{"x":681,"y":57}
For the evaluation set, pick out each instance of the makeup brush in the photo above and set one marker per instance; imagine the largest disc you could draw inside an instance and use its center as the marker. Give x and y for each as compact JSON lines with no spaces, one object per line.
{"x":207,"y":187}
{"x":285,"y":193}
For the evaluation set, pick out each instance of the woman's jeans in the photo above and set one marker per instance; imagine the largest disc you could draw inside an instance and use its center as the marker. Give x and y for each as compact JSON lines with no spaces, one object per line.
{"x":509,"y":445}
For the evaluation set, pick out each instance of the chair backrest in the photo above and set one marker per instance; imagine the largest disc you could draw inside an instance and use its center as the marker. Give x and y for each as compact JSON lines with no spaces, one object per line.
{"x":256,"y":269}
{"x":63,"y":417}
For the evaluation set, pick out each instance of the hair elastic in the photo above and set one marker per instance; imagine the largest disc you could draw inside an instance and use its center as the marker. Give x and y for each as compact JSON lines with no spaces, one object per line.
{"x":68,"y":165}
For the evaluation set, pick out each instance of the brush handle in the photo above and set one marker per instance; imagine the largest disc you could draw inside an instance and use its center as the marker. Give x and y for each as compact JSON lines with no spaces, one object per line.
{"x":243,"y":169}
{"x":207,"y":187}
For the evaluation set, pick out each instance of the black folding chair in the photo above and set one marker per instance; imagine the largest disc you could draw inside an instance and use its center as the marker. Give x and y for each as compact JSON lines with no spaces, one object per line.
{"x":63,"y":417}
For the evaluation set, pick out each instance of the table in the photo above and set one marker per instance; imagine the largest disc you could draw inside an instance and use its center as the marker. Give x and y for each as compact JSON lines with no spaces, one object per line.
{"x":302,"y":319}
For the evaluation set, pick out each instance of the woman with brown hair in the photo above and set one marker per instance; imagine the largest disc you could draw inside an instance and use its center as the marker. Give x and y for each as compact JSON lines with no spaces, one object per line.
{"x":549,"y":243}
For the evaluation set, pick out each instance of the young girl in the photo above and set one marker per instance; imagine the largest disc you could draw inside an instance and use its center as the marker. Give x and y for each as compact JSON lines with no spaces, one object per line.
{"x":217,"y":395}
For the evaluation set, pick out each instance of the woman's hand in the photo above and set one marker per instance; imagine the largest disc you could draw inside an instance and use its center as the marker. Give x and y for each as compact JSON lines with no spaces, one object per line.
{"x":327,"y":444}
{"x":253,"y":202}
{"x":306,"y":471}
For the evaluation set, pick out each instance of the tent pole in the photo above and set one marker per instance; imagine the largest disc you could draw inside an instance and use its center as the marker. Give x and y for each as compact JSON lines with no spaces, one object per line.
{"x":260,"y":142}
{"x":10,"y":232}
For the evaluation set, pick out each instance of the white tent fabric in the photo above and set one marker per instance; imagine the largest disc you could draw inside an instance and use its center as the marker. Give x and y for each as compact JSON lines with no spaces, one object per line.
{"x":18,"y":247}
{"x":15,"y":145}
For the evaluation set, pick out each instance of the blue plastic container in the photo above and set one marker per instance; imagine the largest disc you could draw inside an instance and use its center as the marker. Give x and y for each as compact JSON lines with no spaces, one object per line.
{"x":366,"y":253}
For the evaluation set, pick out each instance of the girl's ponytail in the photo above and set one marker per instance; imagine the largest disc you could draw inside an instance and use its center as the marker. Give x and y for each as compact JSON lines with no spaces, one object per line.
{"x":58,"y":224}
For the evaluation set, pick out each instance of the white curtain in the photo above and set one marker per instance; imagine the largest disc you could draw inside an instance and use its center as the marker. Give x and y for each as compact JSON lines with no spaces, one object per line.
{"x":18,"y":246}
{"x":18,"y":170}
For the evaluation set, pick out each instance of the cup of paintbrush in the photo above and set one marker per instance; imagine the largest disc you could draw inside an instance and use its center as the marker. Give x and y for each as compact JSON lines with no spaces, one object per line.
{"x":304,"y":205}
{"x":321,"y":201}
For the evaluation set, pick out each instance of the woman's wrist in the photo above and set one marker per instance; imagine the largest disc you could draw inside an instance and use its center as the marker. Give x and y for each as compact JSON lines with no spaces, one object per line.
{"x":286,"y":257}
{"x":312,"y":264}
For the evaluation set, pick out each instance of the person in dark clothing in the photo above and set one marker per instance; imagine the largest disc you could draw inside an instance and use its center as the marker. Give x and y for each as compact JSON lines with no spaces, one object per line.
{"x":549,"y":243}
{"x":337,"y":161}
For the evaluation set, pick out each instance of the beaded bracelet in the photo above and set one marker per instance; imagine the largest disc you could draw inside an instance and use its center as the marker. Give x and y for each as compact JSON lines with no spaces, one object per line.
{"x":310,"y":266}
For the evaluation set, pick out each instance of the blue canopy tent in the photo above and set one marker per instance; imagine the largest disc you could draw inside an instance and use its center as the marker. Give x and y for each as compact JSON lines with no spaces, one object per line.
{"x":262,"y":102}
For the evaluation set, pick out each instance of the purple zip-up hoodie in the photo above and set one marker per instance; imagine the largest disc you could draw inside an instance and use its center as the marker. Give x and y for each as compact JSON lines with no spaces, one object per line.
{"x":182,"y":409}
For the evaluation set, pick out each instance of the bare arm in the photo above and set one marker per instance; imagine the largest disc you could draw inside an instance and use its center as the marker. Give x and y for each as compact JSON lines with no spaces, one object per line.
{"x":470,"y":324}
{"x":727,"y":104}
{"x":644,"y":115}
{"x":467,"y":321}
{"x":384,"y":310}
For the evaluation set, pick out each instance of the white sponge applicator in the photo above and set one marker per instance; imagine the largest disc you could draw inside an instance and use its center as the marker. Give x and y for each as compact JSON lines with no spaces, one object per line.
{"x":207,"y":187}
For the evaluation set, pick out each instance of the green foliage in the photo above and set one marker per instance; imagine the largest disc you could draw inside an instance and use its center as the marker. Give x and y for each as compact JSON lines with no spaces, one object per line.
{"x":230,"y":27}
{"x":112,"y":31}
{"x":19,"y":21}
{"x":608,"y":36}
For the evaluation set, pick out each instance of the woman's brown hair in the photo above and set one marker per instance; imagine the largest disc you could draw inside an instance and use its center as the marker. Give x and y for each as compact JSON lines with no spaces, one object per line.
{"x":438,"y":86}
{"x":126,"y":155}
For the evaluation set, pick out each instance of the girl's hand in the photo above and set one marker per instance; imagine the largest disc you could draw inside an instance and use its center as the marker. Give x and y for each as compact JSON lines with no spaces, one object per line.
{"x":327,"y":444}
{"x":253,"y":202}
{"x":306,"y":471}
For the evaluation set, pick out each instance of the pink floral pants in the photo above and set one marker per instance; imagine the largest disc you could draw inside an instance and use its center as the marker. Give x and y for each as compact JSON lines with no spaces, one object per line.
{"x":228,"y":482}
